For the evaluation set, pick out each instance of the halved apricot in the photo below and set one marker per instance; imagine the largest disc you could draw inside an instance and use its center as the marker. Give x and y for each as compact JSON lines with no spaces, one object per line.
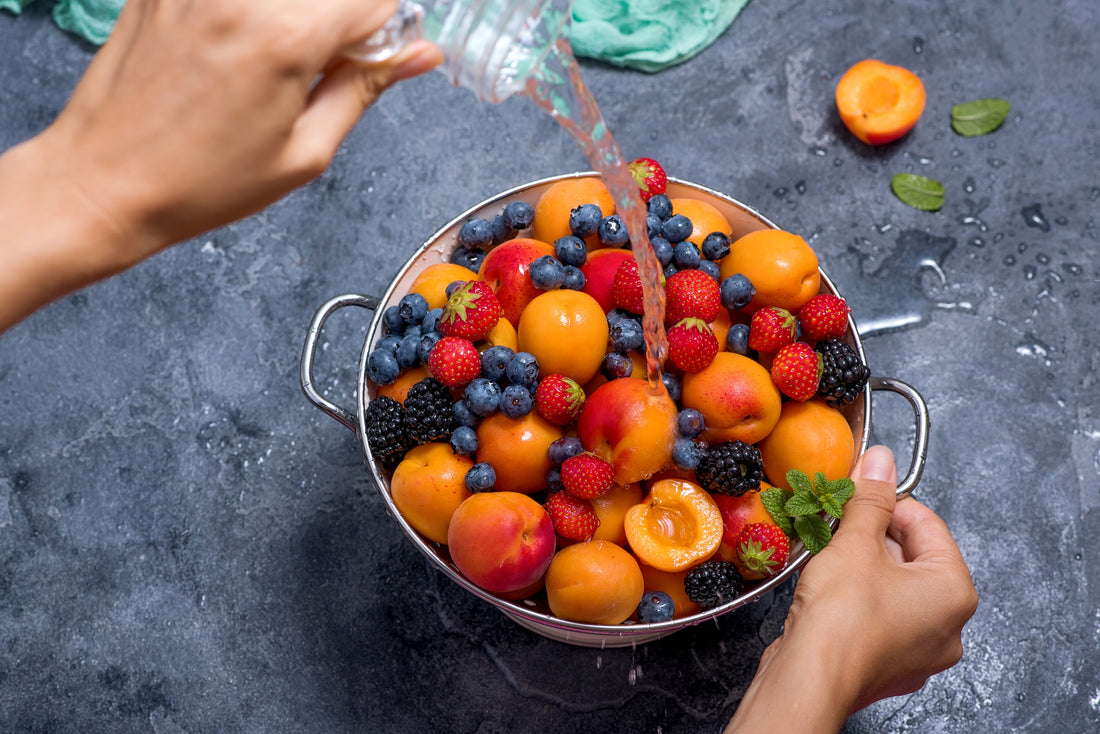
{"x":676,"y":526}
{"x":879,"y":102}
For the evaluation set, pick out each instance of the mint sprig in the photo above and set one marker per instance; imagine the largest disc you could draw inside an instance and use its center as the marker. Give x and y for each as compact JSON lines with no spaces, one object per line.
{"x":798,"y":511}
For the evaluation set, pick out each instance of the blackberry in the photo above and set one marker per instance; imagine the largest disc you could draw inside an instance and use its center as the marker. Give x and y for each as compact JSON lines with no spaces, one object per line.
{"x":730,"y":468}
{"x":429,"y":411}
{"x":843,"y":375}
{"x":712,"y":583}
{"x":386,"y":434}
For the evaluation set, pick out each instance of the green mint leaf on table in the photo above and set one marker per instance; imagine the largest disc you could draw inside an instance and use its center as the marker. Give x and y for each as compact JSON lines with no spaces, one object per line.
{"x":813,"y":531}
{"x":982,"y":116}
{"x":917,"y":191}
{"x":773,"y":499}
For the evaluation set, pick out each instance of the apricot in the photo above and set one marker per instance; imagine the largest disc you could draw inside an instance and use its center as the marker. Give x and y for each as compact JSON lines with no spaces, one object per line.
{"x":516,"y":448}
{"x":558,"y":201}
{"x":879,"y":102}
{"x":566,"y":330}
{"x":611,"y":508}
{"x":428,"y":486}
{"x":672,"y":583}
{"x":595,"y":582}
{"x":502,"y":334}
{"x":433,"y":280}
{"x":705,"y":218}
{"x":677,"y":525}
{"x":736,"y":396}
{"x":810,"y":436}
{"x":630,"y":425}
{"x":780,"y":265}
{"x":737,"y":512}
{"x":501,"y":541}
{"x":400,"y":387}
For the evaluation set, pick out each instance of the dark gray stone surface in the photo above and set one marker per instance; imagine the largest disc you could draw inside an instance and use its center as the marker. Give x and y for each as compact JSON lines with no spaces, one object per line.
{"x":186,"y":545}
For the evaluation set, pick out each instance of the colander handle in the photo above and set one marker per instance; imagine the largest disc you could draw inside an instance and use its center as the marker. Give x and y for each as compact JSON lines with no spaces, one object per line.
{"x":920,"y":443}
{"x":309,"y":350}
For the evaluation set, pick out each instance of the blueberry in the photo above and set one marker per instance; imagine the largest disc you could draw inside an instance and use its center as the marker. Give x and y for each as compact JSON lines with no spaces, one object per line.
{"x":425,"y":344}
{"x":670,"y":270}
{"x":494,"y":360}
{"x":716,"y":246}
{"x":616,"y":314}
{"x":553,"y":480}
{"x":571,"y":250}
{"x":431,"y":320}
{"x":547,"y":273}
{"x":413,"y":330}
{"x":464,"y":416}
{"x":468,"y":258}
{"x":677,"y":228}
{"x":660,"y":205}
{"x":475,"y":234}
{"x":502,"y":231}
{"x":464,"y":440}
{"x":482,"y":396}
{"x":406,"y":353}
{"x":655,"y":606}
{"x":737,"y":339}
{"x":626,"y":336}
{"x":564,"y":448}
{"x":393,"y":321}
{"x":389,"y":343}
{"x":382,"y":367}
{"x":689,"y":422}
{"x":672,"y":384}
{"x":686,"y":454}
{"x":613,"y":231}
{"x":710,"y":268}
{"x":574,"y":278}
{"x":522,"y":369}
{"x":481,"y":477}
{"x":518,"y":215}
{"x":662,"y":248}
{"x":454,"y":285}
{"x":686,"y":255}
{"x":652,"y":225}
{"x":584,"y":221}
{"x":616,"y":366}
{"x":736,"y":292}
{"x":412,"y":308}
{"x":516,"y":401}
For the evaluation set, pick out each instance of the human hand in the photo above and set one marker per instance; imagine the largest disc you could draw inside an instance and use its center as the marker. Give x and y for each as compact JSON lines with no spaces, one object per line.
{"x":875,"y":614}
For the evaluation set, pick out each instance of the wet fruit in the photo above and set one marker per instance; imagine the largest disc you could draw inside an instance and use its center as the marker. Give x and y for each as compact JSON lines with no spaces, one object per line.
{"x":676,"y":526}
{"x":594,"y":582}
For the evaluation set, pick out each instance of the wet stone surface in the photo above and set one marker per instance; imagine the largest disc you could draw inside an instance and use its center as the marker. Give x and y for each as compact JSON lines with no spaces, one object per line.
{"x":186,"y":545}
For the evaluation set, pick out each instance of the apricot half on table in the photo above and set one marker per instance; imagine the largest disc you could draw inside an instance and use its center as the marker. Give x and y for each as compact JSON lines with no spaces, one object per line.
{"x":677,"y":525}
{"x":879,"y":102}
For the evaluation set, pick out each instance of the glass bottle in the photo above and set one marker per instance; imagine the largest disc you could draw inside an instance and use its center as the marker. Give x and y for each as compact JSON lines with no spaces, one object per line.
{"x":491,"y":46}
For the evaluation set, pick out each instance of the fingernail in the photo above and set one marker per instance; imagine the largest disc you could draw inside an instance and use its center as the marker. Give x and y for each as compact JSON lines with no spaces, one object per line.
{"x":877,"y":465}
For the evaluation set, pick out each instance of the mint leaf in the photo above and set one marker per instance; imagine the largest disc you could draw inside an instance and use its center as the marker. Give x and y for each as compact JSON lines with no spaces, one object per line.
{"x":979,"y":117}
{"x":801,"y":504}
{"x":773,"y":499}
{"x":799,"y":481}
{"x":831,"y":506}
{"x":841,"y":490}
{"x":917,"y":191}
{"x":813,"y":531}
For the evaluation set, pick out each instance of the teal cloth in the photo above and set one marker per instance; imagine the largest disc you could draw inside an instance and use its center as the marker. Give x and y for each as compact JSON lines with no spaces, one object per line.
{"x":90,"y":19}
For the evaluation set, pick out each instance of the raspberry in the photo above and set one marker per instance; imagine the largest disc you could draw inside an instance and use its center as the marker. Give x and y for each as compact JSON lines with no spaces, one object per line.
{"x":429,"y":411}
{"x":730,"y":468}
{"x":712,"y":583}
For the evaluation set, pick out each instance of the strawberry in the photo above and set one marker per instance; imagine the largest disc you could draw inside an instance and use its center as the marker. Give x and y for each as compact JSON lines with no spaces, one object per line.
{"x":471,"y":311}
{"x":586,"y":475}
{"x":650,"y":177}
{"x":771,"y":329}
{"x":573,"y":518}
{"x":691,"y":344}
{"x":692,"y":293}
{"x":626,"y":288}
{"x":796,"y":371}
{"x":762,"y":550}
{"x":454,"y":361}
{"x":824,"y":316}
{"x":559,"y":399}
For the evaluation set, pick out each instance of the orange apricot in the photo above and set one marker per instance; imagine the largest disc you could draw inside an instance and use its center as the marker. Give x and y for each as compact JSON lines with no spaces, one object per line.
{"x":428,"y":486}
{"x":611,"y":508}
{"x":780,"y":265}
{"x":879,"y":102}
{"x":516,"y":449}
{"x":566,"y":330}
{"x":630,"y":425}
{"x":737,"y":512}
{"x":595,"y":582}
{"x":672,"y":583}
{"x":433,"y":280}
{"x":400,"y":387}
{"x":559,"y":200}
{"x":737,"y":397}
{"x":705,"y":218}
{"x":677,"y":525}
{"x":810,"y":436}
{"x":502,"y":334}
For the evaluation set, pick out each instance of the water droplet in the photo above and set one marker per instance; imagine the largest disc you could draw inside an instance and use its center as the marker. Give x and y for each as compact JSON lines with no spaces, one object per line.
{"x":1021,"y":248}
{"x":977,"y":242}
{"x":956,"y":153}
{"x":1033,"y":217}
{"x":1072,"y":268}
{"x":995,"y":162}
{"x":998,"y":237}
{"x":970,"y":217}
{"x":1094,"y":194}
{"x":1009,"y":260}
{"x":1029,"y":272}
{"x":838,"y":162}
{"x":800,"y":187}
{"x":969,"y":185}
{"x":1042,"y":259}
{"x":780,"y":192}
{"x":818,"y":151}
{"x":883,"y":228}
{"x":918,"y":45}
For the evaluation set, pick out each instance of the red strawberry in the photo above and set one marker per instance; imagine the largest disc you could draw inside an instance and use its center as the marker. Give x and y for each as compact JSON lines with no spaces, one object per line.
{"x":626,"y":289}
{"x":586,"y":475}
{"x":692,"y":293}
{"x":824,"y":316}
{"x":559,"y":399}
{"x":471,"y":311}
{"x":650,"y":177}
{"x":573,"y":518}
{"x":691,"y":344}
{"x":771,"y":329}
{"x":454,"y":361}
{"x":762,"y":550}
{"x":796,"y":371}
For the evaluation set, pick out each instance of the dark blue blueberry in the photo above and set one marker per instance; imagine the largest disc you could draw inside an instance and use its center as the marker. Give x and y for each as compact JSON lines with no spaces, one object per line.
{"x":468,"y":258}
{"x":626,"y":335}
{"x":686,"y":454}
{"x":571,"y":250}
{"x":481,"y":477}
{"x":431,"y":320}
{"x":464,"y":440}
{"x":662,"y":248}
{"x":672,"y":384}
{"x":482,"y":396}
{"x":406,"y":353}
{"x":389,"y":343}
{"x":553,"y":480}
{"x":736,"y":292}
{"x":652,"y":225}
{"x":412,"y":308}
{"x":516,"y":401}
{"x":686,"y":255}
{"x":656,"y":606}
{"x":677,"y":228}
{"x":502,"y":231}
{"x":564,"y":448}
{"x":613,"y":231}
{"x":584,"y":221}
{"x":737,"y":339}
{"x":710,"y":268}
{"x":413,"y":330}
{"x":464,"y":416}
{"x":382,"y":367}
{"x":393,"y":321}
{"x":716,"y":246}
{"x":670,"y":270}
{"x":522,"y":369}
{"x":454,"y":285}
{"x":616,"y":314}
{"x":425,"y":344}
{"x":574,"y":278}
{"x":546,"y":273}
{"x":494,"y":360}
{"x":475,"y":234}
{"x":690,"y":422}
{"x":660,"y":205}
{"x":519,"y":215}
{"x":616,"y":366}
